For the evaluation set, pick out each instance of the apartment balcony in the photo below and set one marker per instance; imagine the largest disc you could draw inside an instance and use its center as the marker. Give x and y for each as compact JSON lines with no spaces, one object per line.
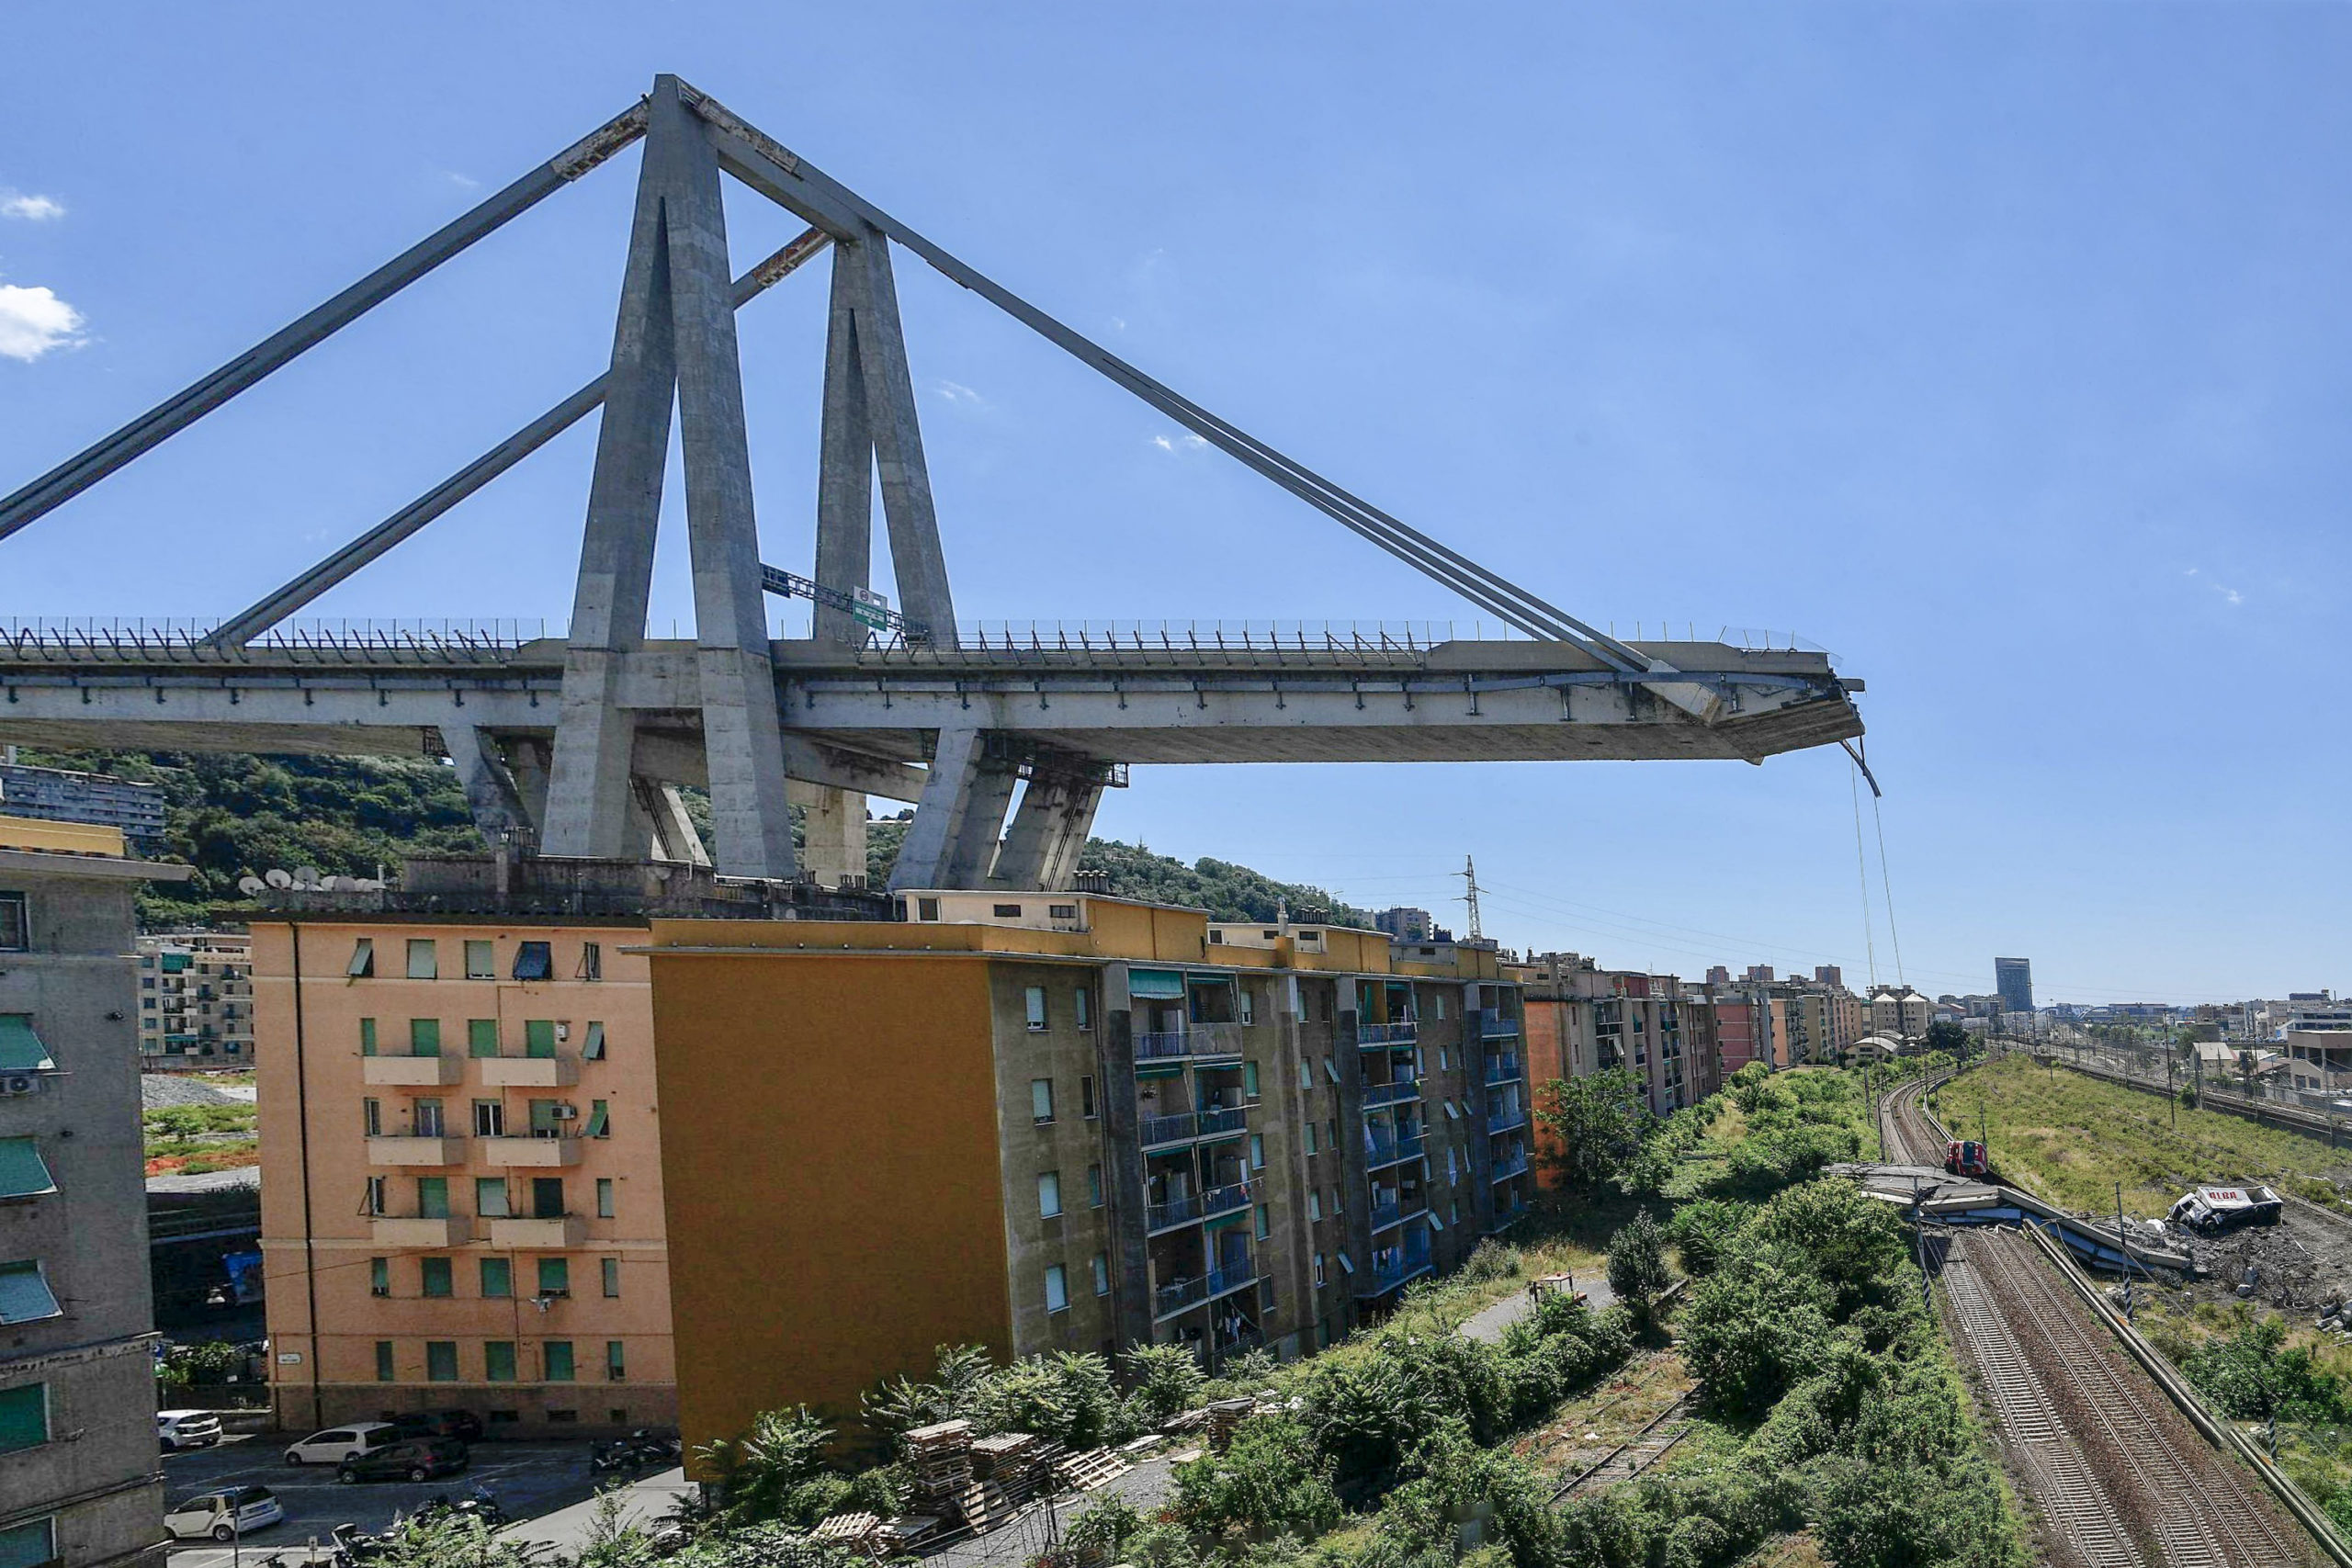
{"x":529,"y":1072}
{"x":1387,"y":1214}
{"x":533,"y":1151}
{"x":1494,"y":1024}
{"x":1382,"y":1151}
{"x":1396,"y":1093}
{"x":1386,"y":1034}
{"x":453,"y":1230}
{"x":1224,"y":1200}
{"x":413,"y":1072}
{"x":1380,"y":1282}
{"x":1180,"y":1296}
{"x":1175,"y":1212}
{"x":1503,"y":1069}
{"x":1161,"y":1132}
{"x":1515,"y":1166}
{"x":411,"y":1151}
{"x":1211,"y":1040}
{"x":1503,"y":1121}
{"x":1230,"y":1121}
{"x":539,"y":1236}
{"x":1233,"y":1277}
{"x":1198,"y":1041}
{"x":1507,"y":1217}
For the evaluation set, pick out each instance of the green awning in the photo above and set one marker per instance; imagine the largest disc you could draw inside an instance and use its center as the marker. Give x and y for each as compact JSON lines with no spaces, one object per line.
{"x":23,"y":1173}
{"x":20,"y":1049}
{"x":174,"y":963}
{"x":25,"y":1296}
{"x":1165,"y":984}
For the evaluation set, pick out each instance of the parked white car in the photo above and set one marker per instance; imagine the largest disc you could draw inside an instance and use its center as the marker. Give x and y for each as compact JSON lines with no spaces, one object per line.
{"x":225,"y":1513}
{"x":187,"y":1429}
{"x":339,"y":1443}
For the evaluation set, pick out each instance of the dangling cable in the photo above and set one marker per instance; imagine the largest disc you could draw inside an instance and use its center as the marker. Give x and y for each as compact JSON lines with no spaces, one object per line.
{"x":1886,"y":893}
{"x":1863,"y":872}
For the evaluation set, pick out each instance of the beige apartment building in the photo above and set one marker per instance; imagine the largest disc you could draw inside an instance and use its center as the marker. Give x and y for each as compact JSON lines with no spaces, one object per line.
{"x":196,"y":999}
{"x":461,"y":1178}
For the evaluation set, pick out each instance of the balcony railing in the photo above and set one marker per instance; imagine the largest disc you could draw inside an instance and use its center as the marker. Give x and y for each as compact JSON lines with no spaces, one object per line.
{"x":1175,"y":1211}
{"x":1224,"y":1200}
{"x":1398,"y":1212}
{"x":1172,"y":1298}
{"x":1379,"y":1152}
{"x":1215,"y":1039}
{"x":1218,"y":1124}
{"x":1195,"y":1041}
{"x":1493,"y":1024}
{"x":1515,"y":1166}
{"x":1232,"y":1277}
{"x":1391,"y":1093}
{"x":1503,"y":1069}
{"x":1159,"y":1044}
{"x":1401,"y":1033}
{"x":1380,"y":1282}
{"x":1503,"y":1121}
{"x":1155,"y":1131}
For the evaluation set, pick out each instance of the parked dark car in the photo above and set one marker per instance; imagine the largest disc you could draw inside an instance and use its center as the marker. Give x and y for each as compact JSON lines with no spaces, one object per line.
{"x":411,"y":1458}
{"x":463,"y":1424}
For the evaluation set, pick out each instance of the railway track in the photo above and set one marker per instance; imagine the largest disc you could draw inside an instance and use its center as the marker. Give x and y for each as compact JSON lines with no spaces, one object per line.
{"x":2120,"y":1476}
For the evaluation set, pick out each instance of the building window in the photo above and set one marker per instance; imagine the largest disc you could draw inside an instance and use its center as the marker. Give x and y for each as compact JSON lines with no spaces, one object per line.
{"x":427,"y":1118}
{"x":1315,"y":1202}
{"x":24,"y":1416}
{"x":1441,"y":1006}
{"x":1250,"y":1081}
{"x":1062,"y":911}
{"x":367,"y":1037}
{"x":424,"y":958}
{"x":538,"y":1037}
{"x":431,"y":1197}
{"x":371,"y":1116}
{"x":615,"y":1361}
{"x":498,"y":1360}
{"x":926,"y":909}
{"x":1102,"y":1273}
{"x":1249,"y":1006}
{"x":481,"y":1037}
{"x":1305,"y":1075}
{"x":490,"y":1119}
{"x":1086,"y":1097}
{"x":379,"y":1276}
{"x":490,"y":1196}
{"x":1081,"y":1007}
{"x":1006,"y":911}
{"x":1319,"y":1271}
{"x":1265,"y":1222}
{"x":557,"y":1354}
{"x":386,"y":1369}
{"x":604,"y":1197}
{"x":1310,"y":1136}
{"x":480,"y":961}
{"x":424,"y":1037}
{"x":1041,"y":1100}
{"x":546,"y":1198}
{"x":432,"y":1277}
{"x":1094,"y":1186}
{"x":363,"y":956}
{"x":592,"y":961}
{"x":554,"y":1275}
{"x":1033,"y":1001}
{"x":611,"y":1268}
{"x":441,"y":1360}
{"x":1056,"y":1288}
{"x":593,"y":1049}
{"x":1049,"y":1193}
{"x":372,"y":1201}
{"x":600,"y":1119}
{"x":497,"y":1279}
{"x":1257,"y":1151}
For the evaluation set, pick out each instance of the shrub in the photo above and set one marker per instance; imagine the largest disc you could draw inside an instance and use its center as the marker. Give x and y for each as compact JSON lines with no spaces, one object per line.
{"x":1065,"y":1395}
{"x":1162,"y":1378}
{"x":1703,"y":1228}
{"x":1271,"y":1480}
{"x":1756,"y":1326}
{"x":1367,"y":1415}
{"x":1637,"y":1262}
{"x":1458,"y":1478}
{"x":1849,"y":1240}
{"x":1489,"y":1261}
{"x":760,"y":1471}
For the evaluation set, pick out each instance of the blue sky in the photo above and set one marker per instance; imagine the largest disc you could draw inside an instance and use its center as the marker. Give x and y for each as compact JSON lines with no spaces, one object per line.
{"x":2002,"y":349}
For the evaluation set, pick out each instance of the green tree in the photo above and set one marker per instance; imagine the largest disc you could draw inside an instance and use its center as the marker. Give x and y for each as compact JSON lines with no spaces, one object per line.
{"x":1271,"y":1480}
{"x":1945,"y":1035}
{"x":1637,"y":1263}
{"x":1596,"y":1124}
{"x":1162,"y":1380}
{"x":759,"y":1471}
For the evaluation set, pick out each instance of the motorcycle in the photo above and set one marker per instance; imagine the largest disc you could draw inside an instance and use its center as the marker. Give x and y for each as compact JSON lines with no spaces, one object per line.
{"x":641,"y":1450}
{"x":353,"y":1546}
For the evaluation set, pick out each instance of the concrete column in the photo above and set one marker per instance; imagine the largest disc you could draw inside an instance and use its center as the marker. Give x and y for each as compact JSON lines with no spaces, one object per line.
{"x":916,"y":561}
{"x":931,"y":838}
{"x":1048,"y":830}
{"x":845,"y":459}
{"x":1123,"y":1167}
{"x":832,"y":841}
{"x":528,"y":758}
{"x":974,"y":850}
{"x":1354,"y":1174}
{"x":673,"y":828}
{"x":490,"y":793}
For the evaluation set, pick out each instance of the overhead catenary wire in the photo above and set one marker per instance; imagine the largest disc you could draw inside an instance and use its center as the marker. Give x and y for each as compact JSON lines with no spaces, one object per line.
{"x":1886,"y":893}
{"x":1862,"y":871}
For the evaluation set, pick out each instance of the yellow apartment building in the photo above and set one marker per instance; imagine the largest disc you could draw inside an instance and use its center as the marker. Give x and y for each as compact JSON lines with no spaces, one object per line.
{"x":1059,"y":1121}
{"x":461,"y":1179}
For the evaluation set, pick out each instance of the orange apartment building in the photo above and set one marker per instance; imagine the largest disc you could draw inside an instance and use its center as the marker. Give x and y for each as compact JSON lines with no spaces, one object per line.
{"x":1060,"y":1122}
{"x":1582,"y":1018}
{"x":461,"y":1194}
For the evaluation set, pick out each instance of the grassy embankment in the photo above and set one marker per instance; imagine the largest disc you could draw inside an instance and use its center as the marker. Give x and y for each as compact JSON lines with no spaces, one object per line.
{"x":2071,"y":1139}
{"x":193,"y":1139}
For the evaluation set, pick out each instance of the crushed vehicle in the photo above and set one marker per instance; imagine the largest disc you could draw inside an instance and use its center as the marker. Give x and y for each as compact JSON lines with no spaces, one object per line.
{"x":2215,"y":1210}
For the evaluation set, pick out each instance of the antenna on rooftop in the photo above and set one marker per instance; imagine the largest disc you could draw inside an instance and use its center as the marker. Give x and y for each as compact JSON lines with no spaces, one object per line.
{"x":1470,"y":880}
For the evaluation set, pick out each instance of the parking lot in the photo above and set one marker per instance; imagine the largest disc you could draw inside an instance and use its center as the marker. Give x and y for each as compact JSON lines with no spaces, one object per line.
{"x":529,"y":1479}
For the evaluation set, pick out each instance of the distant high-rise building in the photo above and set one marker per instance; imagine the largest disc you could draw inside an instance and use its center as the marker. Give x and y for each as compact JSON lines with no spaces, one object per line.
{"x":1404,"y":924}
{"x":2013,"y":978}
{"x":1829,"y":975}
{"x":1760,"y":974}
{"x":1719,"y":974}
{"x":56,"y":795}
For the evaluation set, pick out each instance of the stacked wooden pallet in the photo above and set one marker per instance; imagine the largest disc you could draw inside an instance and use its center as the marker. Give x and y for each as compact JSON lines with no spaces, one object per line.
{"x":857,"y":1531}
{"x":1224,"y":1416}
{"x":896,"y":1538}
{"x":941,"y":1457}
{"x":1085,"y":1472}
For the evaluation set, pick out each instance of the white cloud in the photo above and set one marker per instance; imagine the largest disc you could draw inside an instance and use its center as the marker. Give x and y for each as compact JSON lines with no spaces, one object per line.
{"x":34,"y":209}
{"x":463,"y":182}
{"x":34,"y":320}
{"x":1187,"y":442}
{"x":956,"y":392}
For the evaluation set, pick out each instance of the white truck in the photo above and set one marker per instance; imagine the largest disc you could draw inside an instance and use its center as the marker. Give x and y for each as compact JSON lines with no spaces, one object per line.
{"x":2212,"y":1211}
